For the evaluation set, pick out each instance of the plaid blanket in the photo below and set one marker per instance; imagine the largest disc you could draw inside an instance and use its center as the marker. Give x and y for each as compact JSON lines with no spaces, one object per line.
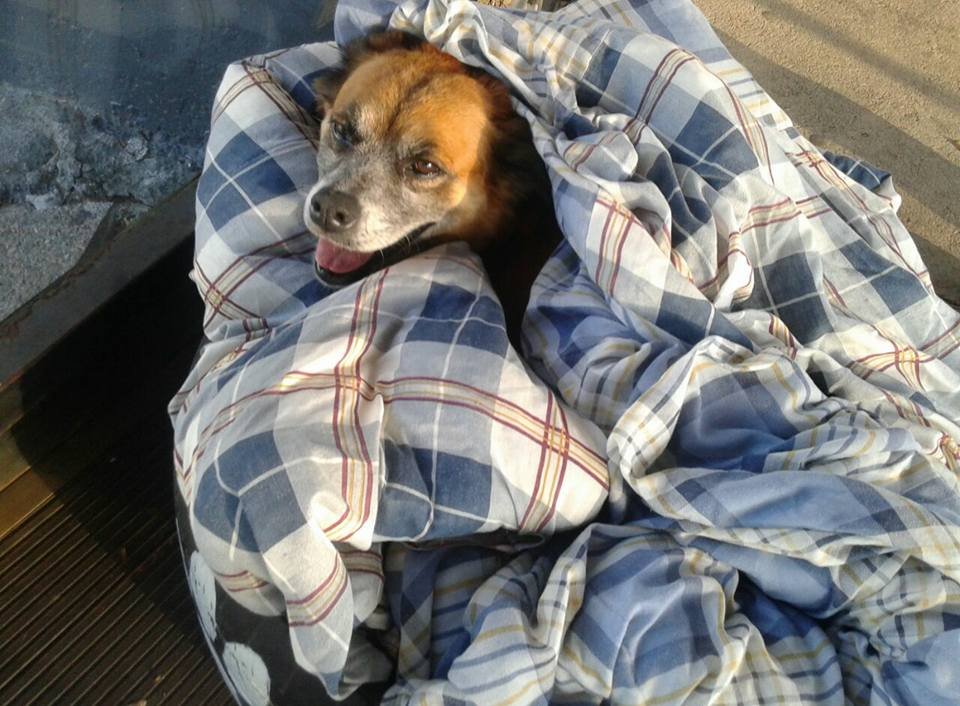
{"x":724,"y":469}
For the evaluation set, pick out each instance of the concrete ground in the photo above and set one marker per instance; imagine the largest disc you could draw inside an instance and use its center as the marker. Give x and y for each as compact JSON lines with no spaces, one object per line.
{"x":70,"y":176}
{"x":875,"y":79}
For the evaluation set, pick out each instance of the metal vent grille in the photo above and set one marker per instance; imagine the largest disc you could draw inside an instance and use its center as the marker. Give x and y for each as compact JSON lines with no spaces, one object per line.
{"x":94,"y":607}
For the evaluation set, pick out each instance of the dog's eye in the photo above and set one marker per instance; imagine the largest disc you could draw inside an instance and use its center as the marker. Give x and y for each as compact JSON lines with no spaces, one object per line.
{"x":425,"y":168}
{"x":341,"y":133}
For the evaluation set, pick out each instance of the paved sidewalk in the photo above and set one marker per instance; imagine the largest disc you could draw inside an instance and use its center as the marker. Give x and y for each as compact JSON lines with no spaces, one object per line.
{"x":877,"y":79}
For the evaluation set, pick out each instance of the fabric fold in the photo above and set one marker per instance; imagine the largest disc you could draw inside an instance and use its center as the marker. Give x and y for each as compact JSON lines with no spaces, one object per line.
{"x":723,"y":470}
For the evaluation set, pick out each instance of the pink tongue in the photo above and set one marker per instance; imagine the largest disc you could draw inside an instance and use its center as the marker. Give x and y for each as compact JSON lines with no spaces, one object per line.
{"x":335,"y":259}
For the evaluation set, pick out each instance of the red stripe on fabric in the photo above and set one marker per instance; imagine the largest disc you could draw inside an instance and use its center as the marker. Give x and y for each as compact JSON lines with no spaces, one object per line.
{"x":225,"y":295}
{"x":295,"y":118}
{"x":327,"y":610}
{"x":222,"y":107}
{"x":603,"y":240}
{"x":666,"y":82}
{"x":241,"y":589}
{"x":544,"y":452}
{"x":772,"y":221}
{"x":484,"y":393}
{"x":334,"y":572}
{"x":480,"y":410}
{"x":367,"y":462}
{"x":653,"y":79}
{"x":562,"y":472}
{"x":943,"y":335}
{"x":367,"y":475}
{"x":337,"y":440}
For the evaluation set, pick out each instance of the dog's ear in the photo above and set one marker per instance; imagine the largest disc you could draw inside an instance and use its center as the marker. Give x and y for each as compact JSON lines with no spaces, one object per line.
{"x":362,"y":49}
{"x":326,"y":88}
{"x":380,"y":42}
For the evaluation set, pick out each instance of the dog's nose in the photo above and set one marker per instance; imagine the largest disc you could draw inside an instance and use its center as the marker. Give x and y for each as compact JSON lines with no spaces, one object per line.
{"x":334,"y":211}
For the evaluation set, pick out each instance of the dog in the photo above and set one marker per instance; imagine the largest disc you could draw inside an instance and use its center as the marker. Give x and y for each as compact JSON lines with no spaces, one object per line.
{"x":416,"y":149}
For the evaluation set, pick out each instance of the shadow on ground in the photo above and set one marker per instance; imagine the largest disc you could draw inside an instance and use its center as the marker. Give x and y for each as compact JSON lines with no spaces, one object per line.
{"x":926,"y":180}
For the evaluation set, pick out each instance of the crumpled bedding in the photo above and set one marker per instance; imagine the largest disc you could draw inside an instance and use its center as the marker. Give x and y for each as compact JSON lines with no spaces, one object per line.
{"x":723,"y":469}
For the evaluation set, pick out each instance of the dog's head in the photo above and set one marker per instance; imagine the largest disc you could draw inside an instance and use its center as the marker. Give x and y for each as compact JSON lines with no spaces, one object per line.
{"x":415,"y":148}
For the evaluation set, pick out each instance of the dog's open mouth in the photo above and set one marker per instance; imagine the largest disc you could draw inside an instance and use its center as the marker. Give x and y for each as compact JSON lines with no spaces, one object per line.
{"x":337,"y":261}
{"x":337,"y":266}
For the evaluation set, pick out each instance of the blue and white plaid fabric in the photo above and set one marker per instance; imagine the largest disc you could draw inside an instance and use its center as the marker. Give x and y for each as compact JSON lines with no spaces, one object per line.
{"x":740,"y":449}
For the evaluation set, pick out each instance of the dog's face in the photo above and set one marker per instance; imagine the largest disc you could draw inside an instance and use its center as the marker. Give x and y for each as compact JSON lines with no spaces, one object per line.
{"x":411,"y":152}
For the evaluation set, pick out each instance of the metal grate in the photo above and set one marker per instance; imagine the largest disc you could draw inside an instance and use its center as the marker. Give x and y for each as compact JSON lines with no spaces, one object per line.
{"x":94,"y":607}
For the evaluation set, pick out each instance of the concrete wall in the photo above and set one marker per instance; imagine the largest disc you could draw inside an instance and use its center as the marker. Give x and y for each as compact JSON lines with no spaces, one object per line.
{"x":159,"y":59}
{"x":104,"y":109}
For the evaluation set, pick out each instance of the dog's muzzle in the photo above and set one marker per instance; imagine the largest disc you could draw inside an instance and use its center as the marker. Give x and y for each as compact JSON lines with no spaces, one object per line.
{"x":334,"y":211}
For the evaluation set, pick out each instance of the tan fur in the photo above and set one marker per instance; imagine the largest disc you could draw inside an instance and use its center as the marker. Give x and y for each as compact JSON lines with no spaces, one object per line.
{"x":405,"y":99}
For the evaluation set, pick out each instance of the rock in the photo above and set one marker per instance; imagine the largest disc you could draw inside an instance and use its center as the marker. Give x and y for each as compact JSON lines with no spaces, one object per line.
{"x":67,"y":172}
{"x":50,"y":145}
{"x":136,"y":147}
{"x":24,"y":148}
{"x":41,"y":202}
